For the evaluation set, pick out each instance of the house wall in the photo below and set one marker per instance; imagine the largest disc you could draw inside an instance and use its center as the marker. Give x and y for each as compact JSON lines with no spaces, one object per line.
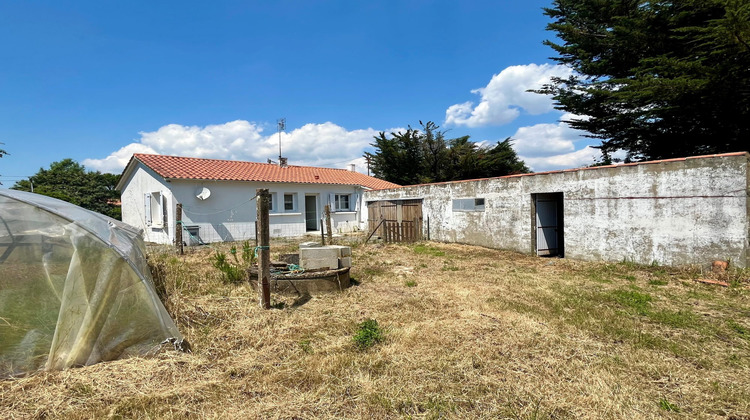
{"x":678,"y":212}
{"x":229,"y":214}
{"x":143,"y":181}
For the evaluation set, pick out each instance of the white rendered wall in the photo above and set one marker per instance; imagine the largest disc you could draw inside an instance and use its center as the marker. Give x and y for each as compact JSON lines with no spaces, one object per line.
{"x":229,"y":213}
{"x":681,"y":212}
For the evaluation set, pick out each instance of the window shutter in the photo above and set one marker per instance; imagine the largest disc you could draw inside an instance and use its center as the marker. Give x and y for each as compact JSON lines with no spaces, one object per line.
{"x":332,"y":202}
{"x":164,"y":212}
{"x":355,"y":198}
{"x":147,"y":203}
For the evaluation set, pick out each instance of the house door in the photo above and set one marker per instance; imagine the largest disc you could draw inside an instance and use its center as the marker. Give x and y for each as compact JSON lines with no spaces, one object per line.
{"x":311,"y":212}
{"x":549,"y":226}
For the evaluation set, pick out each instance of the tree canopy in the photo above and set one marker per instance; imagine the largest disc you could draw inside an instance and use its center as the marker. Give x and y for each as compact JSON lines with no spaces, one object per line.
{"x":69,"y":181}
{"x":657,"y":79}
{"x":424,"y":155}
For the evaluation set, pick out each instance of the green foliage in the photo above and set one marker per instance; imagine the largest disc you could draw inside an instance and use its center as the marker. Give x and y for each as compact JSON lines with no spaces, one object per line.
{"x":425,"y":155}
{"x":306,"y":346}
{"x":668,"y":406}
{"x":657,"y":79}
{"x":69,"y":181}
{"x":632,"y":299}
{"x":368,"y":334}
{"x":234,"y":270}
{"x":428,"y":250}
{"x":232,"y":273}
{"x":410,"y":283}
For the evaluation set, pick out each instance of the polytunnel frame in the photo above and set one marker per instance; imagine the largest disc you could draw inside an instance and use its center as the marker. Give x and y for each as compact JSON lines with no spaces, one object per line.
{"x":176,"y":341}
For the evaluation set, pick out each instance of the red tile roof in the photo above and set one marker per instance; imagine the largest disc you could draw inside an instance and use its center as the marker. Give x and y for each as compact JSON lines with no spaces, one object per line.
{"x":175,"y":167}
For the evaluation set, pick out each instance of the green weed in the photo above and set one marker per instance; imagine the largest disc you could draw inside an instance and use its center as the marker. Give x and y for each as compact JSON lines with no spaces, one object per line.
{"x":410,"y":283}
{"x":368,"y":334}
{"x":423,"y":249}
{"x":668,"y":406}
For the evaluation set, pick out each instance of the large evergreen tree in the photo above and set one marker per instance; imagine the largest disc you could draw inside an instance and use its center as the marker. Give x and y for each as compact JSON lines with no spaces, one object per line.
{"x":69,"y":181}
{"x":424,"y":155}
{"x":657,"y":79}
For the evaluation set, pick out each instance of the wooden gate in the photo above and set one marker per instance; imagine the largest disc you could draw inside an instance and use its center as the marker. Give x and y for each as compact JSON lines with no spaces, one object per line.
{"x":396,"y":220}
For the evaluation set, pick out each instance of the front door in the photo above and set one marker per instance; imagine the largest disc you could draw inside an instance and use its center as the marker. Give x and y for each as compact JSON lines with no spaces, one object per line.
{"x":311,"y":212}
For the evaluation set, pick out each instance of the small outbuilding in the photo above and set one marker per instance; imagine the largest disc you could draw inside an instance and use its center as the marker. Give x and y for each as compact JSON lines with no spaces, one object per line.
{"x":674,"y":212}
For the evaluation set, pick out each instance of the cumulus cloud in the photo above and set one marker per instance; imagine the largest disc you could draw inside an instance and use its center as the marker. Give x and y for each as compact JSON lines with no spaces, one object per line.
{"x":325,"y":144}
{"x":548,"y":147}
{"x":505,"y":96}
{"x":576,"y":159}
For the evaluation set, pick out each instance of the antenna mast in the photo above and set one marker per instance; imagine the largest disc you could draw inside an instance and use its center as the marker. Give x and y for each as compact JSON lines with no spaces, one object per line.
{"x":281,"y":125}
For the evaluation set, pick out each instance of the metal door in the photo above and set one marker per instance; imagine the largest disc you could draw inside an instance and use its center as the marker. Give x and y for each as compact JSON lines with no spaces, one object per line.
{"x":546,"y":226}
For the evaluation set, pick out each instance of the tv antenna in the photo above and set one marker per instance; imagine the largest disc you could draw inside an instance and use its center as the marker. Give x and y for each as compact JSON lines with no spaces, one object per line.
{"x":281,"y":125}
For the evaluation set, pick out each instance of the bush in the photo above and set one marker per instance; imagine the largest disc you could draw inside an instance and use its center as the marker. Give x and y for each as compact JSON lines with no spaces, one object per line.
{"x":368,"y":334}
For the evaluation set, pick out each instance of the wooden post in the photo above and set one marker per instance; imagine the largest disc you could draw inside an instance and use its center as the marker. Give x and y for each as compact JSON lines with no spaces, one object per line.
{"x":263,"y":248}
{"x":322,"y":232}
{"x":328,"y":223}
{"x":417,"y":229}
{"x":178,"y":229}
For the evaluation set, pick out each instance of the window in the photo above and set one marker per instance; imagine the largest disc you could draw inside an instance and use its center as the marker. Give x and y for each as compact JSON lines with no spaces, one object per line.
{"x":271,"y":200}
{"x":468,"y":204}
{"x":156,"y":210}
{"x":342,"y":202}
{"x":290,"y":202}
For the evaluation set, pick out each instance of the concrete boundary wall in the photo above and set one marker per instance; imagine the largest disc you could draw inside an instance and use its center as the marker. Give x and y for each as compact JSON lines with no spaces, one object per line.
{"x":674,"y":212}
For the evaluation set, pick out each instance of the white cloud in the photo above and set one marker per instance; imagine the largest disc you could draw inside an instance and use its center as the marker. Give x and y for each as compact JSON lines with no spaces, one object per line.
{"x":576,"y":159}
{"x":548,"y":147}
{"x":506,"y":95}
{"x":325,"y":144}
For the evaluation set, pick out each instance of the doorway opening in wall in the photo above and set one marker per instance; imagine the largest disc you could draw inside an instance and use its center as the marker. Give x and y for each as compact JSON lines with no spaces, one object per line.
{"x":547,"y":224}
{"x":311,"y":212}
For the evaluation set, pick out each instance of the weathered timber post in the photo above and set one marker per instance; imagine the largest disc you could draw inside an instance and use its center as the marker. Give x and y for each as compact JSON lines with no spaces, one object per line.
{"x":263,"y":248}
{"x":322,"y":232}
{"x":178,"y":229}
{"x":327,"y":212}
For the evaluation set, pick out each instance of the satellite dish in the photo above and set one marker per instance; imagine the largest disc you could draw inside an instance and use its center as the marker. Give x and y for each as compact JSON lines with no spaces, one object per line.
{"x":203,"y":193}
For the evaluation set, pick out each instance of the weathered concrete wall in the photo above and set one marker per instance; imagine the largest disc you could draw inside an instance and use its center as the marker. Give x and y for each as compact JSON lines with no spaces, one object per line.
{"x":681,"y":211}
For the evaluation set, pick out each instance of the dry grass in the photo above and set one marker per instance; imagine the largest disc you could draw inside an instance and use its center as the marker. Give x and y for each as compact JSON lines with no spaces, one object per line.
{"x":469,"y":333}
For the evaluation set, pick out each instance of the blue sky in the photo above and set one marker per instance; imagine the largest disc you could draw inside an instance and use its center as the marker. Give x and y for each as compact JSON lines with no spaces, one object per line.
{"x":97,"y":81}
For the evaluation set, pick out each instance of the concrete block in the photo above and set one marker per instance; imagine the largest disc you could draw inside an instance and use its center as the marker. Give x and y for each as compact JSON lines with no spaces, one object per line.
{"x":320,"y":252}
{"x":345,"y":262}
{"x":315,"y":263}
{"x":343,"y":251}
{"x":319,"y":257}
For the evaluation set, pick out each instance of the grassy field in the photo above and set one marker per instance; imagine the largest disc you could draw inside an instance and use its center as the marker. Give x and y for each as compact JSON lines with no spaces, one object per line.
{"x":462,"y":332}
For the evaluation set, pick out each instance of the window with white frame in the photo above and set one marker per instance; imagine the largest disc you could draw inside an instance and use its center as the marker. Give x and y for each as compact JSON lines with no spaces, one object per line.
{"x":342,"y":202}
{"x":290,"y":202}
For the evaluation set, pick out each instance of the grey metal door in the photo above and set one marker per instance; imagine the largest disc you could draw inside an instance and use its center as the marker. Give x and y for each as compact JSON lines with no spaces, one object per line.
{"x":311,"y":212}
{"x":546,"y":226}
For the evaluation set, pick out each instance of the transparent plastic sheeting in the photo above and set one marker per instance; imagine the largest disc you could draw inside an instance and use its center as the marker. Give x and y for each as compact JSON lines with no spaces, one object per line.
{"x":75,"y":288}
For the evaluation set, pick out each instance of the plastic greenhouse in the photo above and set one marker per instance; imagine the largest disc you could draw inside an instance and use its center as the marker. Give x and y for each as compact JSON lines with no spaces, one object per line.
{"x":75,"y":288}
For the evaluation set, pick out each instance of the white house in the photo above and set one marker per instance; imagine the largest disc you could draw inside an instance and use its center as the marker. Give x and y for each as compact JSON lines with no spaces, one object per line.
{"x":217,"y":197}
